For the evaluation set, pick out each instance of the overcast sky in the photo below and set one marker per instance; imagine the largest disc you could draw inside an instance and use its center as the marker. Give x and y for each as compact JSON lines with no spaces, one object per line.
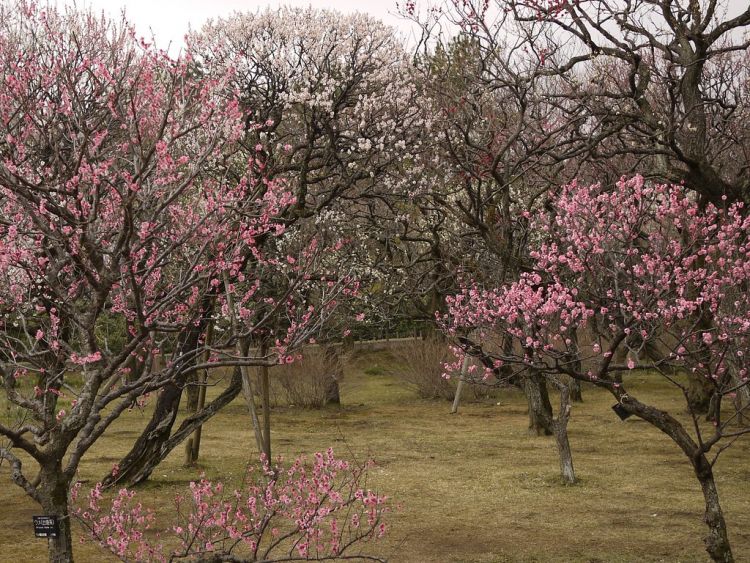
{"x":170,"y":19}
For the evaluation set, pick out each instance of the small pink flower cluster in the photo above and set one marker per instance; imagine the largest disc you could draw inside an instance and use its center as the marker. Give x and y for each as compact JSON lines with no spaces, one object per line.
{"x":122,"y":528}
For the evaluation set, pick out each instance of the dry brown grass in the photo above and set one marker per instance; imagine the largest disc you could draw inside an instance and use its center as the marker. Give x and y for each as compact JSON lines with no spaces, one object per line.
{"x":474,"y":486}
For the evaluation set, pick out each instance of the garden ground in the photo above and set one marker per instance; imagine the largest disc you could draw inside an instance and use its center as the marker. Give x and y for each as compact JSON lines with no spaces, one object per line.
{"x":473,"y":487}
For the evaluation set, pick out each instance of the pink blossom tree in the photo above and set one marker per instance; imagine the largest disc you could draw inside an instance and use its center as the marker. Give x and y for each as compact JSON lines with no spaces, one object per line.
{"x":124,"y":198}
{"x":600,"y":89}
{"x":331,"y":109}
{"x":640,"y":263}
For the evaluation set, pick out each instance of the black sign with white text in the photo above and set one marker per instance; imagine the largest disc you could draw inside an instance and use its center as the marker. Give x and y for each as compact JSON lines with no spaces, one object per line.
{"x":45,"y":526}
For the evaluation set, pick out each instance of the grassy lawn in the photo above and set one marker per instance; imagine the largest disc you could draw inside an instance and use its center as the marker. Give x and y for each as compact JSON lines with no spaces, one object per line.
{"x":474,"y":487}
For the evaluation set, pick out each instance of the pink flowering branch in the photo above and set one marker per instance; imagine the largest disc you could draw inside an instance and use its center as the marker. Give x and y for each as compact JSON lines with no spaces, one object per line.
{"x":302,"y":512}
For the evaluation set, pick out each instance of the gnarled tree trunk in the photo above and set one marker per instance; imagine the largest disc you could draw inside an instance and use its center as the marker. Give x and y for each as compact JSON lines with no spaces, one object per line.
{"x":147,"y":451}
{"x":717,"y":540}
{"x":699,"y":393}
{"x":540,"y":408}
{"x":142,"y":466}
{"x":53,"y":490}
{"x":193,"y":446}
{"x":560,"y":428}
{"x":556,"y":426}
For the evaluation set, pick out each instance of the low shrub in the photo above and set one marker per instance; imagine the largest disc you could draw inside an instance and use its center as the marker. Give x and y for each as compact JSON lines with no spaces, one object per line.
{"x":422,"y":366}
{"x":312,"y":381}
{"x":307,"y":511}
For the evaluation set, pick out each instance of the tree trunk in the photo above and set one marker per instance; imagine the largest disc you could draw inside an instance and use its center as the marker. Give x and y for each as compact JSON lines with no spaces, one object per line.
{"x":265,"y":390}
{"x":699,"y":393}
{"x":333,"y":392}
{"x":576,"y":395}
{"x":193,"y":447}
{"x":560,"y":426}
{"x":248,"y":392}
{"x":741,"y":402}
{"x":141,"y":467}
{"x":138,"y":463}
{"x":566,"y":457}
{"x":540,"y":409}
{"x":146,"y":453}
{"x":574,"y":386}
{"x":333,"y":362}
{"x":535,"y":386}
{"x":192,"y":390}
{"x":195,"y":441}
{"x":54,"y":488}
{"x":459,"y":387}
{"x":717,"y":540}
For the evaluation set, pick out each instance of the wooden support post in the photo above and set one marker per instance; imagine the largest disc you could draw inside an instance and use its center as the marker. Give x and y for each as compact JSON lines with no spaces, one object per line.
{"x":266,"y":403}
{"x":195,"y":441}
{"x":459,"y":387}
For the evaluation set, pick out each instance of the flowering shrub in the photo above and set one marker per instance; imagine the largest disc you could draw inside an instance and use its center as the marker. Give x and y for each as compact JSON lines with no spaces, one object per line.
{"x":121,"y":529}
{"x":321,"y":510}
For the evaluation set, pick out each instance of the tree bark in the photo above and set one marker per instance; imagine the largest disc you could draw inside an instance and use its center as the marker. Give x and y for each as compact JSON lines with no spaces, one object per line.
{"x":265,"y":390}
{"x":574,"y":386}
{"x":536,"y":391}
{"x":138,"y":463}
{"x":699,"y":393}
{"x":192,"y":390}
{"x":459,"y":387}
{"x":717,"y":540}
{"x":741,"y":402}
{"x":141,"y":460}
{"x":53,"y":495}
{"x":249,"y":393}
{"x":566,"y":457}
{"x":540,"y":408}
{"x":142,"y":467}
{"x":193,"y":447}
{"x":333,"y":359}
{"x":333,"y":392}
{"x":195,"y":441}
{"x":576,"y":395}
{"x":560,"y":427}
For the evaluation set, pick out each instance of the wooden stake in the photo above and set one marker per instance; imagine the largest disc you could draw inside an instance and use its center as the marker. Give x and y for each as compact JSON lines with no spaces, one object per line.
{"x":459,"y":387}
